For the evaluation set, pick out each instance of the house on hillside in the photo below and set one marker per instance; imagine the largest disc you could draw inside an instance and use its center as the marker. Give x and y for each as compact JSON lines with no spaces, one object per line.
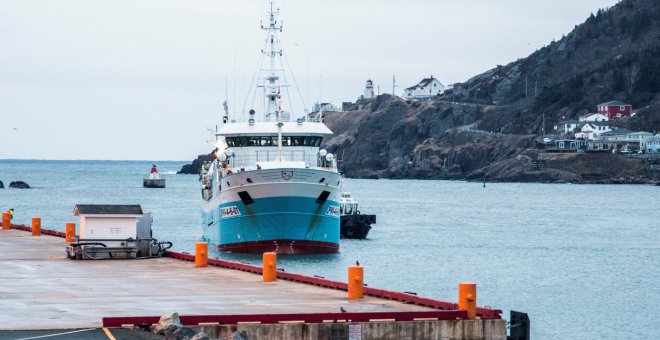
{"x":640,"y":137}
{"x":567,"y":126}
{"x":653,"y":144}
{"x":425,"y":89}
{"x":591,"y":130}
{"x":615,"y":109}
{"x":615,"y":135}
{"x":569,"y":145}
{"x":325,"y":107}
{"x":593,"y":117}
{"x":601,"y":146}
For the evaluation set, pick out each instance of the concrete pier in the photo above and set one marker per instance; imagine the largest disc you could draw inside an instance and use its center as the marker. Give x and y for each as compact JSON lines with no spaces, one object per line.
{"x":41,"y":289}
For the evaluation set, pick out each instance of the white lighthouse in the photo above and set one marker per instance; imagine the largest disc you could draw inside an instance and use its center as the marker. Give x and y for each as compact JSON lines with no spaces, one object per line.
{"x":368,"y":90}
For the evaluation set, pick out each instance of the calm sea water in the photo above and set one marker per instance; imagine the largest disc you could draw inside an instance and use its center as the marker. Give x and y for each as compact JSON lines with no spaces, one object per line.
{"x":582,"y":260}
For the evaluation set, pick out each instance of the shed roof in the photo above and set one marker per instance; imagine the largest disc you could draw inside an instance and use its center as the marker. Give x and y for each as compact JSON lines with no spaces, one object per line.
{"x":107,"y":209}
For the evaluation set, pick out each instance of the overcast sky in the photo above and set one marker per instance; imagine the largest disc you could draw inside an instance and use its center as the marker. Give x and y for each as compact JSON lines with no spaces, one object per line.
{"x":120,"y":79}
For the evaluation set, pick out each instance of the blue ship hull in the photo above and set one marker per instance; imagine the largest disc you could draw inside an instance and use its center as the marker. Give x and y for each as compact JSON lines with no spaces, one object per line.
{"x":281,"y":224}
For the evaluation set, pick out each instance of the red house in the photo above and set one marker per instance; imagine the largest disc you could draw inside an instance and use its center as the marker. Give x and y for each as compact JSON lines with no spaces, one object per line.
{"x":615,"y":109}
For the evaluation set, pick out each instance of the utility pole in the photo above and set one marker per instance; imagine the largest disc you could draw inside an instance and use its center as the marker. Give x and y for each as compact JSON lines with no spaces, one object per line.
{"x":393,"y":85}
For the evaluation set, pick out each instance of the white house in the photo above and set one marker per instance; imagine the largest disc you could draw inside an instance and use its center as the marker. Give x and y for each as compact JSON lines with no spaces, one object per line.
{"x":641,"y":136}
{"x":426,"y":88}
{"x":567,"y":126}
{"x":594,"y":117}
{"x":591,"y":130}
{"x":325,"y":107}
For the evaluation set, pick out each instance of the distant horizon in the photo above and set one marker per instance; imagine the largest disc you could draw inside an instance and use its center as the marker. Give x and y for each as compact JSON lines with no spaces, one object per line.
{"x":123,"y":80}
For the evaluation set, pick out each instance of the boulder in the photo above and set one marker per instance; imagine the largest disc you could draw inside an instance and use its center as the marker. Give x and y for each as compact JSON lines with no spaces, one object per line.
{"x":238,"y":335}
{"x":19,"y":185}
{"x":200,"y":336}
{"x":167,"y":324}
{"x":183,"y":333}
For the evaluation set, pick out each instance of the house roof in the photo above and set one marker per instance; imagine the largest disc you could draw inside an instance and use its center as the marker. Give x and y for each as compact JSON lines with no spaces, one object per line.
{"x":107,"y":209}
{"x":641,"y":133}
{"x":613,"y":102}
{"x":422,"y":83}
{"x":592,"y":114}
{"x":615,"y":131}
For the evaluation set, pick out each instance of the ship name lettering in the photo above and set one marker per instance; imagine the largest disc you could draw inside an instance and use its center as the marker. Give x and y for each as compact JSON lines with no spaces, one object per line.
{"x":230,"y":211}
{"x":332,"y":211}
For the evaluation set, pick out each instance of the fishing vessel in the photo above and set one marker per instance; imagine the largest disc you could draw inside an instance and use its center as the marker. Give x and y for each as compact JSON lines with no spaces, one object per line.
{"x":269,"y":186}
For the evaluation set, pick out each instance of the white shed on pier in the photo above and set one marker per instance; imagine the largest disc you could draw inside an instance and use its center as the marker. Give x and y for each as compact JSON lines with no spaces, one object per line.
{"x":108,"y":221}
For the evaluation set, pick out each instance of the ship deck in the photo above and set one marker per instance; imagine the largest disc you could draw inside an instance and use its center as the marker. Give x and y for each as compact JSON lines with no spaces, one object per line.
{"x":41,"y":289}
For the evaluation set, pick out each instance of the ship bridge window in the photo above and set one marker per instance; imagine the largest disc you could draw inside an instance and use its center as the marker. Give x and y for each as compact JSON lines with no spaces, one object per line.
{"x":313,"y":141}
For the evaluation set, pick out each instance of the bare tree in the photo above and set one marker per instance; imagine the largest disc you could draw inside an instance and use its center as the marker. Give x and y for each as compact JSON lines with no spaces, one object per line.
{"x":632,"y":76}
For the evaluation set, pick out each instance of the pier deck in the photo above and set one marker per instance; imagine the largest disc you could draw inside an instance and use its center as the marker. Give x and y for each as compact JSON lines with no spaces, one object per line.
{"x":40,"y":288}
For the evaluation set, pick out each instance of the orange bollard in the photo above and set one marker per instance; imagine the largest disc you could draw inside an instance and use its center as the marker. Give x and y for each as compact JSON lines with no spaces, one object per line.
{"x":201,"y":254}
{"x":355,"y":282}
{"x":70,"y":232}
{"x":467,"y":298}
{"x":270,"y":267}
{"x":36,"y":226}
{"x":6,"y":220}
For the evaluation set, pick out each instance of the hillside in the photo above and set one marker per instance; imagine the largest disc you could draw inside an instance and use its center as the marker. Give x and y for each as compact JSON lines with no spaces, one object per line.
{"x":614,"y":54}
{"x":487,"y":125}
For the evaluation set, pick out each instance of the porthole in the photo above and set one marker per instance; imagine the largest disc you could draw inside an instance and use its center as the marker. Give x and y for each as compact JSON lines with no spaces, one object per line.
{"x":322,"y":180}
{"x":228,"y":183}
{"x":249,"y":180}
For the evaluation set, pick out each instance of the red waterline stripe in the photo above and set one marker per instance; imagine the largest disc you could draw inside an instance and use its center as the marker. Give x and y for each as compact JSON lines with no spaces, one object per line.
{"x":482,"y":312}
{"x":192,"y":320}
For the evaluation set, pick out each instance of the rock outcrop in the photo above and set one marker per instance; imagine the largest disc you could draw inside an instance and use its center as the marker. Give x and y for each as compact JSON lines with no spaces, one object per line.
{"x":194,"y":167}
{"x":19,"y":185}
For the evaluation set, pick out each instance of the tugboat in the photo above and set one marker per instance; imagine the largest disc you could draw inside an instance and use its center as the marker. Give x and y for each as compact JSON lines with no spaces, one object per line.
{"x":269,"y":187}
{"x":154,"y":180}
{"x":353,"y":223}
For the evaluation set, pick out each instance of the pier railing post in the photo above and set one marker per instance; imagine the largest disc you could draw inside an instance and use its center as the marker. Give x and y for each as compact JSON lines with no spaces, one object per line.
{"x":36,"y":226}
{"x":355,"y":282}
{"x":6,"y":220}
{"x":201,"y":254}
{"x":70,"y":232}
{"x":467,"y":298}
{"x":270,"y":267}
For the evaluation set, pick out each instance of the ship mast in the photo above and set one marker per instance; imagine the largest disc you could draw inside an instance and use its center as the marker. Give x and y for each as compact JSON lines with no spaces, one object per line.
{"x":271,"y":85}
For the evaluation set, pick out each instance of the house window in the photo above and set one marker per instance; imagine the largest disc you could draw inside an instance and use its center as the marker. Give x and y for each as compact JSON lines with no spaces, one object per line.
{"x":561,"y":145}
{"x":622,"y":108}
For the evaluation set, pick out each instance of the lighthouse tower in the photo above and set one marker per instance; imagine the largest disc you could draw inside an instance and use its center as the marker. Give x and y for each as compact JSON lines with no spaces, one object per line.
{"x":368,"y":90}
